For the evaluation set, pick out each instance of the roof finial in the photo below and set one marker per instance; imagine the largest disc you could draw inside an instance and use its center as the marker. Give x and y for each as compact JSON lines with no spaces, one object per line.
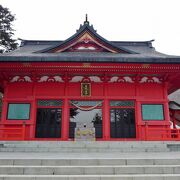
{"x":86,"y":20}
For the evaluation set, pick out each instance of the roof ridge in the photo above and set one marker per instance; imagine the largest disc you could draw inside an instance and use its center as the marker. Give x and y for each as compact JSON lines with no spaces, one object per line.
{"x":25,"y":41}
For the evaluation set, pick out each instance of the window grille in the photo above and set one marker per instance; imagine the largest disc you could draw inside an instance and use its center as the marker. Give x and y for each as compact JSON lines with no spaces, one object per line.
{"x":49,"y":102}
{"x":122,"y":103}
{"x":87,"y":103}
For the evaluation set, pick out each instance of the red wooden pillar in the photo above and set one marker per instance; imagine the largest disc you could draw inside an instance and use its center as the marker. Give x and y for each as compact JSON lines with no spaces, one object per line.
{"x":166,"y":105}
{"x":166,"y":112}
{"x":33,"y":118}
{"x":138,"y":120}
{"x":106,"y":112}
{"x":65,"y":115}
{"x":106,"y":120}
{"x":65,"y":121}
{"x":138,"y":117}
{"x":4,"y":110}
{"x":24,"y":130}
{"x":33,"y":110}
{"x":146,"y":131}
{"x":4,"y":103}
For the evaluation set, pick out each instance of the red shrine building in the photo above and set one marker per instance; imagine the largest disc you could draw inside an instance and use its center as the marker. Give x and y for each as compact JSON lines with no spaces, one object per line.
{"x":120,"y":88}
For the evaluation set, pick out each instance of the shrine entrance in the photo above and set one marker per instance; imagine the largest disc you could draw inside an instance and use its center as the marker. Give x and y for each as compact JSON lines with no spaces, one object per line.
{"x":86,"y":114}
{"x":48,"y":123}
{"x":122,"y":119}
{"x":122,"y":123}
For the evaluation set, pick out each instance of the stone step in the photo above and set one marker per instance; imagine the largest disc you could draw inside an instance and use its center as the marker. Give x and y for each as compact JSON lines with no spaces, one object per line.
{"x":89,"y":170}
{"x":87,"y":162}
{"x":84,"y":146}
{"x":93,"y":177}
{"x":77,"y":150}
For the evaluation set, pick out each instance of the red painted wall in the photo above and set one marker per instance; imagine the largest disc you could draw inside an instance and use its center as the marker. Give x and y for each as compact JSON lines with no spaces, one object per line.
{"x":151,"y":90}
{"x":49,"y":89}
{"x":19,"y":90}
{"x":141,"y":93}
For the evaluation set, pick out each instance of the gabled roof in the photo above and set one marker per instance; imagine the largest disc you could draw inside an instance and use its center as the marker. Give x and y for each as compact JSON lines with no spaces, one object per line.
{"x":86,"y":31}
{"x":71,"y":50}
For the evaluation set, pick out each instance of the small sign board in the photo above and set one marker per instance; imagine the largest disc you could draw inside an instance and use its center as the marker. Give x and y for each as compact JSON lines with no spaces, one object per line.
{"x":85,"y":89}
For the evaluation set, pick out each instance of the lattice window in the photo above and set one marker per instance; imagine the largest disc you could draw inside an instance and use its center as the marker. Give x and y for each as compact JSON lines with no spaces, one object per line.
{"x":122,"y":103}
{"x":46,"y":102}
{"x":87,"y":103}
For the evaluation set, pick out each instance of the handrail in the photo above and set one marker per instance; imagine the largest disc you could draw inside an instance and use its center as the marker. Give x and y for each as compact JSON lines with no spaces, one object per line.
{"x":146,"y":132}
{"x":159,"y":134}
{"x":13,"y":133}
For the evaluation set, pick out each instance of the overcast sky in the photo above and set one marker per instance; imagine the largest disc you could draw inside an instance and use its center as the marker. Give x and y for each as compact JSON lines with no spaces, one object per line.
{"x":136,"y":20}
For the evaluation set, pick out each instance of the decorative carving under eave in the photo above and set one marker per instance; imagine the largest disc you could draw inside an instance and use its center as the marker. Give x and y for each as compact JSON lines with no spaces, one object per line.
{"x":85,"y":46}
{"x":96,"y":79}
{"x":122,"y":79}
{"x":21,"y":79}
{"x":150,"y":80}
{"x":86,"y":79}
{"x":76,"y":79}
{"x":36,"y":79}
{"x":50,"y":79}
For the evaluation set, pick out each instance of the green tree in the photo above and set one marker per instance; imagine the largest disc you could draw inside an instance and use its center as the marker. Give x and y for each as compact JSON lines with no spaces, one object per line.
{"x":6,"y":31}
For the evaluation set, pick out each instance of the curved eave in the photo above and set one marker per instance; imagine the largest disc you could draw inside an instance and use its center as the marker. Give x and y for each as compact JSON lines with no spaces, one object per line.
{"x":89,"y":29}
{"x":94,"y":59}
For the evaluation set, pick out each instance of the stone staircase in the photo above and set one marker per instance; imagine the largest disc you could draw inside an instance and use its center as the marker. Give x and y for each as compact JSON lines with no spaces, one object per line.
{"x":25,"y":160}
{"x":87,"y":169}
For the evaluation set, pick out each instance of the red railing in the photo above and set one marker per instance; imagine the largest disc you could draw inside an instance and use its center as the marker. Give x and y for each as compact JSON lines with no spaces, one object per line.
{"x":12,"y":132}
{"x":149,"y":133}
{"x":145,"y":132}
